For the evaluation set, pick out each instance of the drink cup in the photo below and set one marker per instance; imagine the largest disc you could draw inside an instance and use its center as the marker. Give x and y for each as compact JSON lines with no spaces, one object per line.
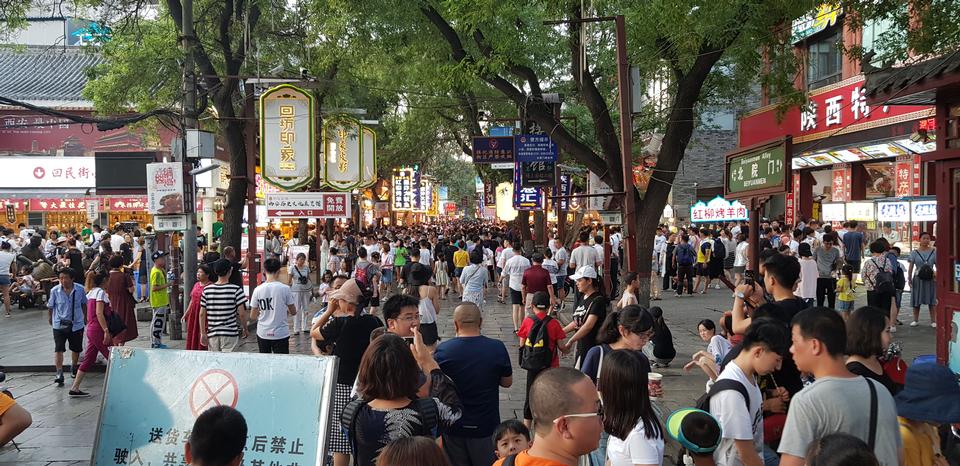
{"x":654,"y":383}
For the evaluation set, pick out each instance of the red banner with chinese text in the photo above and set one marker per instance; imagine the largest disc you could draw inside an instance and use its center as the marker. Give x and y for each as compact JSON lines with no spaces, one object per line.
{"x":907,"y":176}
{"x":840,"y":182}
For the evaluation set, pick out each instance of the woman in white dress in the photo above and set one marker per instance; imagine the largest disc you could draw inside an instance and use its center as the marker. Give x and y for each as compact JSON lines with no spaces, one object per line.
{"x":324,"y":245}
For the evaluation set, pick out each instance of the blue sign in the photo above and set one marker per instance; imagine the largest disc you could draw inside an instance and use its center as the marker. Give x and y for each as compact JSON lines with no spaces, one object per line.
{"x":564,"y":188}
{"x":536,"y":148}
{"x":488,"y":149}
{"x":896,"y":211}
{"x":501,"y":131}
{"x":152,"y":398}
{"x":525,"y":198}
{"x":923,"y":211}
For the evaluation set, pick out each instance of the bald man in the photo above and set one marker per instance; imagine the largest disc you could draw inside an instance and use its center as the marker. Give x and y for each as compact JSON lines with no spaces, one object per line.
{"x":567,"y":419}
{"x":479,"y":366}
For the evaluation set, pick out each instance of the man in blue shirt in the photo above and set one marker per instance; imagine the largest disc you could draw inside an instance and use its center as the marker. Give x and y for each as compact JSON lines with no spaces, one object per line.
{"x":478,"y":366}
{"x":67,"y":303}
{"x":853,"y":247}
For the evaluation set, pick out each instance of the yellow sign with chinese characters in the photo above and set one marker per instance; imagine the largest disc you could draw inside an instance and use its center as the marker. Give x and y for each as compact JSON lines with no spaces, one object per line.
{"x":349,"y":154}
{"x":287,"y":148}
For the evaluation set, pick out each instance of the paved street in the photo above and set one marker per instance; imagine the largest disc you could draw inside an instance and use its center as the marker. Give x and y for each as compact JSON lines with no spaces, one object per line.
{"x":63,"y":430}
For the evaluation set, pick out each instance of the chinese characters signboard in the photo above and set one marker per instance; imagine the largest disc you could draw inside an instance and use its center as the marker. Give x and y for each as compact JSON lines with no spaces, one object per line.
{"x":537,"y":173}
{"x":923,"y":211}
{"x":489,"y":195}
{"x":525,"y":198}
{"x":403,"y":190}
{"x":165,"y":188}
{"x":565,"y":188}
{"x":808,"y":25}
{"x":308,"y":205}
{"x":828,"y":112}
{"x":287,"y":137}
{"x":492,"y":149}
{"x":762,"y":169}
{"x":349,"y":155}
{"x":153,"y":397}
{"x":536,"y":148}
{"x":898,"y":211}
{"x":718,"y":210}
{"x":841,"y":182}
{"x":48,"y":172}
{"x":860,"y":211}
{"x":907,"y":176}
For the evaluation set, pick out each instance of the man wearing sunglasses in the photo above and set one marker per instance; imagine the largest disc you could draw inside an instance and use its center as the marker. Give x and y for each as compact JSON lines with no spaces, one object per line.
{"x":567,"y":419}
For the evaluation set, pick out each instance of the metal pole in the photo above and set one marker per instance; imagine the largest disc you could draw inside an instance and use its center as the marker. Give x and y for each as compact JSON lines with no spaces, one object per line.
{"x":626,"y":147}
{"x":189,"y":122}
{"x":250,"y":143}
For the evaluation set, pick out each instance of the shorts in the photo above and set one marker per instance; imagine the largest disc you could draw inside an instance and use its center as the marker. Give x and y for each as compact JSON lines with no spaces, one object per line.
{"x":62,"y":337}
{"x":561,"y":284}
{"x":429,"y":333}
{"x":516,"y":297}
{"x":223,"y":344}
{"x":457,"y":271}
{"x":844,"y":306}
{"x":702,"y":269}
{"x":739,"y":269}
{"x":5,"y":280}
{"x":386,"y":276}
{"x":855,"y":264}
{"x":5,"y":403}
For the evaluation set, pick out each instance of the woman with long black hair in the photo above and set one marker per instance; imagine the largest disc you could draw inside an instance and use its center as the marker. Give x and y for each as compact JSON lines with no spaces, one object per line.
{"x":636,"y":436}
{"x":588,"y":315}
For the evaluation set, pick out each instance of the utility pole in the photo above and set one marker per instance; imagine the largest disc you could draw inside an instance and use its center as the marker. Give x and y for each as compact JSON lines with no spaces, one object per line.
{"x":189,"y":122}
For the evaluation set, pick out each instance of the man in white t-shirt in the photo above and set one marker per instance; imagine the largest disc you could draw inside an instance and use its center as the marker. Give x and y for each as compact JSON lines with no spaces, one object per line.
{"x":762,"y":350}
{"x":426,"y":258}
{"x":514,"y":269}
{"x":270,"y":304}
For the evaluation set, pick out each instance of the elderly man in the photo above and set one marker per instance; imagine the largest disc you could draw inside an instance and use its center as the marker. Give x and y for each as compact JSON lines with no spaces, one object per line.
{"x":479,"y":366}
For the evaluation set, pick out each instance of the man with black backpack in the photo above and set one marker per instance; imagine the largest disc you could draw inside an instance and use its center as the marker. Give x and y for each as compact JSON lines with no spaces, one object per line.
{"x":540,"y":337}
{"x":735,"y":398}
{"x":683,"y":258}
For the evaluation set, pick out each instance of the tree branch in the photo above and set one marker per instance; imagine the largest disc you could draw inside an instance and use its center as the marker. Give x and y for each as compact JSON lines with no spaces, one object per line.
{"x":668,"y":52}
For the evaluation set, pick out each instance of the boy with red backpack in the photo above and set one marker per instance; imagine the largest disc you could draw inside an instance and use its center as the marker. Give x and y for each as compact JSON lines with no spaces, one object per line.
{"x":540,"y":336}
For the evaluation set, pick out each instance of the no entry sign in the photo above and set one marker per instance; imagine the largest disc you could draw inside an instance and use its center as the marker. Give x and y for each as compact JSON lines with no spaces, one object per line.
{"x":308,"y":205}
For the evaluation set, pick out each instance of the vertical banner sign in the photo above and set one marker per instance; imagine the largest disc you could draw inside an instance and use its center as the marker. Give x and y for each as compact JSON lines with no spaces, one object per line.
{"x":525,"y":198}
{"x":343,"y":156}
{"x":12,"y":214}
{"x":403,"y":190}
{"x":907,"y":176}
{"x":165,"y":188}
{"x":791,"y":200}
{"x":564,"y":188}
{"x":287,"y":138}
{"x":93,"y":211}
{"x":417,"y":199}
{"x":424,"y":191}
{"x":596,"y":186}
{"x":841,"y":182}
{"x":368,"y":171}
{"x":489,"y":195}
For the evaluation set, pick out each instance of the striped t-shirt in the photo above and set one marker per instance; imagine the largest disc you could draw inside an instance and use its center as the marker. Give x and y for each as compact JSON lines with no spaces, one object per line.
{"x":221,"y":301}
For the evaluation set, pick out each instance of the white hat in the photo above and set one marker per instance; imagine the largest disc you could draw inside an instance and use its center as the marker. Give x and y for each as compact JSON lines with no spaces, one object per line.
{"x":586,"y":271}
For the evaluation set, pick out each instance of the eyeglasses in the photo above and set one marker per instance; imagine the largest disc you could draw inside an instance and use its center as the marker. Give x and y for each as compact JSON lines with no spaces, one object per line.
{"x":599,"y":414}
{"x":409,"y":318}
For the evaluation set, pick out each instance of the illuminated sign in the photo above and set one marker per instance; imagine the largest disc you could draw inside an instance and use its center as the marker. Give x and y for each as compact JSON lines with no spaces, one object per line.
{"x":898,"y":211}
{"x":718,"y":210}
{"x":287,"y":137}
{"x":861,"y":211}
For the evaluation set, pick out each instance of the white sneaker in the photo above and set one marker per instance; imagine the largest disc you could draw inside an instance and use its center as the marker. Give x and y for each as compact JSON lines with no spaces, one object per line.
{"x":914,"y":323}
{"x":933,"y":324}
{"x":893,"y":329}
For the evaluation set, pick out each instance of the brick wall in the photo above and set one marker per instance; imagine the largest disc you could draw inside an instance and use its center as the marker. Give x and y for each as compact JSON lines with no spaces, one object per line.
{"x":702,"y":164}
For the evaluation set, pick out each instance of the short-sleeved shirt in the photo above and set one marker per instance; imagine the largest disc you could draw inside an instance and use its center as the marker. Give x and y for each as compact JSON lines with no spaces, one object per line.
{"x":871,"y":267}
{"x":221,"y":301}
{"x":555,"y":333}
{"x":562,"y":257}
{"x":515,"y":268}
{"x":596,"y":304}
{"x":272,"y":299}
{"x":591,"y":364}
{"x":476,"y":365}
{"x":852,"y":245}
{"x":69,"y":306}
{"x":635,"y":449}
{"x":524,"y":459}
{"x":536,"y":278}
{"x":584,"y":255}
{"x":351,"y":336}
{"x":158,"y":298}
{"x":841,"y":404}
{"x":461,"y":258}
{"x":728,"y":406}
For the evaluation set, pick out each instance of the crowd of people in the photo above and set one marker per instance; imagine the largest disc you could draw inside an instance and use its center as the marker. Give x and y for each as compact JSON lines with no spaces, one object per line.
{"x":798,"y":373}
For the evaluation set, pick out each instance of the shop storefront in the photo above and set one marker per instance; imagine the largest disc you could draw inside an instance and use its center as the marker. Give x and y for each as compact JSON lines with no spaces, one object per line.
{"x":63,"y":213}
{"x":850,"y":160}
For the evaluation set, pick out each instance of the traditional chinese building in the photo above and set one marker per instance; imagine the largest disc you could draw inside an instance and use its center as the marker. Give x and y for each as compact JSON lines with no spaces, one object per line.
{"x":848,"y":157}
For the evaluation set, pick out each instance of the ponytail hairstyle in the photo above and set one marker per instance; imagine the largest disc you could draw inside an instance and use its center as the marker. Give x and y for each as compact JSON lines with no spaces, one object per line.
{"x":628,"y":279}
{"x":633,"y":318}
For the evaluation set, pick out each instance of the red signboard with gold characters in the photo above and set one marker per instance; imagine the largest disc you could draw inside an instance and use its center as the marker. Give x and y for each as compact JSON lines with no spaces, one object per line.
{"x":840,"y":182}
{"x":907,"y":176}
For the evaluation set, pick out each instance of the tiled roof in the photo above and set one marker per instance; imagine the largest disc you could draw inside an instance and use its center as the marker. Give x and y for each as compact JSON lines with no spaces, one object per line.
{"x":896,"y":81}
{"x":49,"y":76}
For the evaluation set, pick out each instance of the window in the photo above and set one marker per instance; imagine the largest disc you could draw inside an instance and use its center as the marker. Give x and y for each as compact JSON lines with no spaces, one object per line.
{"x":35,"y":219}
{"x":824,"y":59}
{"x":873,"y":30}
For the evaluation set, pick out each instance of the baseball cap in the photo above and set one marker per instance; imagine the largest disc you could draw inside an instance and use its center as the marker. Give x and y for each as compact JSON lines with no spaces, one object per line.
{"x":696,"y":430}
{"x":159,"y":254}
{"x":541,"y":300}
{"x":586,"y":271}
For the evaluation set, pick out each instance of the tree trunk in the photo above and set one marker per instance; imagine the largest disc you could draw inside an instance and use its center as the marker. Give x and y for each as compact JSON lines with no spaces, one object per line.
{"x":302,"y":231}
{"x":523,"y":223}
{"x":539,"y":226}
{"x":237,"y":190}
{"x":573,"y":229}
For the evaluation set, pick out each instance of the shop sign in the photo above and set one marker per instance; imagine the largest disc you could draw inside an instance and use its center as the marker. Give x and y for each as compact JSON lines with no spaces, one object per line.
{"x":165,"y":188}
{"x":492,"y":149}
{"x":48,"y":172}
{"x":833,"y":211}
{"x":840,"y":182}
{"x":368,"y":172}
{"x":923,"y":211}
{"x":763,"y":169}
{"x":12,"y":213}
{"x":308,"y":205}
{"x":827,"y":113}
{"x":814,"y":22}
{"x":718,"y":210}
{"x":287,"y":139}
{"x":127,"y":203}
{"x":489,"y":195}
{"x":59,"y":204}
{"x":860,"y":211}
{"x":536,"y":148}
{"x":611,"y":217}
{"x":18,"y":204}
{"x":538,"y":173}
{"x":450,"y":207}
{"x":403,"y":190}
{"x":596,"y":186}
{"x":907,"y":176}
{"x":564,"y":188}
{"x":93,"y":211}
{"x":525,"y":198}
{"x":898,"y":211}
{"x":790,"y":210}
{"x":170,"y":222}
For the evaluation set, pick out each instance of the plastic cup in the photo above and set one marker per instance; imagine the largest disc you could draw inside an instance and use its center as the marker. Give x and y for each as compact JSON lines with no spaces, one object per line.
{"x":654,"y":383}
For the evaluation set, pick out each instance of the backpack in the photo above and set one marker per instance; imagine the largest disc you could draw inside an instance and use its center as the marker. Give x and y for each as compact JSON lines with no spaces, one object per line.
{"x":362,"y":276}
{"x":719,"y":251}
{"x":685,"y":255}
{"x":883,"y":281}
{"x":535,"y":354}
{"x":426,"y":410}
{"x":703,"y":403}
{"x":926,"y":271}
{"x":899,"y":280}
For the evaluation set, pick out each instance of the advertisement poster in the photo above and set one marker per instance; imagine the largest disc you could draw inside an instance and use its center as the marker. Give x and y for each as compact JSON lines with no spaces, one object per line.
{"x":165,"y":188}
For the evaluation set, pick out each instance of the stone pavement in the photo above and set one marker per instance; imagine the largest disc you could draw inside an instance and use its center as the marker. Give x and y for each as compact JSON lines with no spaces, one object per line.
{"x":63,"y":429}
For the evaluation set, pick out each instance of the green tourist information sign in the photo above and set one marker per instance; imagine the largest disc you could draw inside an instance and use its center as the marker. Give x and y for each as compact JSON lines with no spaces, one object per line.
{"x":762,"y":170}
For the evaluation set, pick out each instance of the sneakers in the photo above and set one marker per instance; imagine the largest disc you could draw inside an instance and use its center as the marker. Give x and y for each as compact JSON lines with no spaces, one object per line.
{"x":914,"y":323}
{"x":893,"y":329}
{"x":933,"y":324}
{"x":73,"y":371}
{"x":158,"y":346}
{"x":78,"y":394}
{"x":58,"y":380}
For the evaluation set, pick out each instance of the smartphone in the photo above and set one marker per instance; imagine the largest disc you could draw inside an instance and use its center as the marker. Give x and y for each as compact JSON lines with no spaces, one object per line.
{"x":749,"y":278}
{"x":409,"y":340}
